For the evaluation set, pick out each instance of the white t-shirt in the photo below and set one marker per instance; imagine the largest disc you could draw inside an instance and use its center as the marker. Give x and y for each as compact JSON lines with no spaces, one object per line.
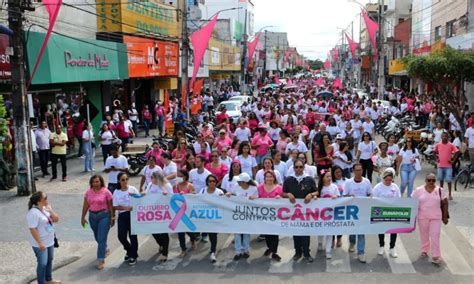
{"x":36,"y":219}
{"x":333,"y":130}
{"x":260,"y":176}
{"x":87,"y":135}
{"x":368,"y":127}
{"x":363,"y":188}
{"x":366,"y":150}
{"x":329,"y":191}
{"x":247,"y":164}
{"x":301,"y":147}
{"x":437,"y":135}
{"x":282,"y":168}
{"x":198,"y":179}
{"x":227,"y":161}
{"x":381,"y":190}
{"x":154,"y":188}
{"x":356,"y":126}
{"x":127,"y":125}
{"x":147,"y":172}
{"x":243,"y":134}
{"x":133,"y":114}
{"x":119,"y":162}
{"x":339,"y":159}
{"x":308,"y":170}
{"x":197,"y":148}
{"x":123,"y":198}
{"x":218,"y":191}
{"x":228,"y":185}
{"x":408,"y":156}
{"x":274,"y":133}
{"x":170,"y":169}
{"x":469,"y":135}
{"x":251,"y":191}
{"x":107,"y":136}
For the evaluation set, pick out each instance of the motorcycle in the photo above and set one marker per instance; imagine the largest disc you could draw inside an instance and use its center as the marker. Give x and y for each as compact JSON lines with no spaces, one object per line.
{"x":137,"y":162}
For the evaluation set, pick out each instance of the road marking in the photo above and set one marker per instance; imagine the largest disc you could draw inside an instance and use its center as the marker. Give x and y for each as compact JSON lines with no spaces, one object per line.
{"x":286,"y":254}
{"x":453,"y":257}
{"x":173,"y":259}
{"x":468,"y":233}
{"x":115,"y":259}
{"x":340,"y":261}
{"x":225,"y":255}
{"x":402,"y":264}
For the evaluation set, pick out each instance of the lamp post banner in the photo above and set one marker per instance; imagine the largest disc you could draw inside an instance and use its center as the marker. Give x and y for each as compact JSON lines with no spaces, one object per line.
{"x":174,"y":213}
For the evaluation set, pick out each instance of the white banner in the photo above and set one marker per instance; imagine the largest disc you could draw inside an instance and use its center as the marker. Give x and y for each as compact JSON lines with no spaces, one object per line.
{"x":156,"y":213}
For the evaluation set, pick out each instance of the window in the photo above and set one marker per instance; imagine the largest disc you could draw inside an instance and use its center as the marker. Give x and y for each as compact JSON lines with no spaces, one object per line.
{"x":450,"y":29}
{"x":437,"y":33}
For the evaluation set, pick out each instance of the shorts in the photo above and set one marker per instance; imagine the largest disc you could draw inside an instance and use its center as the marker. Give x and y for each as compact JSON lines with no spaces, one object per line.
{"x":445,"y":174}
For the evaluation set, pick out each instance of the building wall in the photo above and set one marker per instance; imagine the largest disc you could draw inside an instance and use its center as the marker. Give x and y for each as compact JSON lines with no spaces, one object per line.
{"x":446,"y":11}
{"x":238,"y":15}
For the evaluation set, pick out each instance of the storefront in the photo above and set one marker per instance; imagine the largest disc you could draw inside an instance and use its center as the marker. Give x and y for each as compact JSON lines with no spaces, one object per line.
{"x":224,"y":63}
{"x":71,"y":76}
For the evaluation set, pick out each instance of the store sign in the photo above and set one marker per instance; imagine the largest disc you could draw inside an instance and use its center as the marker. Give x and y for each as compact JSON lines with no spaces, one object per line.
{"x":151,"y":58}
{"x":93,"y":60}
{"x":137,"y":17}
{"x":68,"y":60}
{"x":5,"y":66}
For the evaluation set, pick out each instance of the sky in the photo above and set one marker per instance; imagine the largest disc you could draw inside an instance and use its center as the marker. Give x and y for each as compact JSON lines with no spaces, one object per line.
{"x":312,"y":25}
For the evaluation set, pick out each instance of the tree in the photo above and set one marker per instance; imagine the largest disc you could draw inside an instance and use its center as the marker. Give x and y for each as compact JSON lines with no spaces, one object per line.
{"x":446,"y":70}
{"x":316,"y":64}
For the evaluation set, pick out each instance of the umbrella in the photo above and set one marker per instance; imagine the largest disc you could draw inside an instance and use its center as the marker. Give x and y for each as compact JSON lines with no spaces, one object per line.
{"x":325,"y":94}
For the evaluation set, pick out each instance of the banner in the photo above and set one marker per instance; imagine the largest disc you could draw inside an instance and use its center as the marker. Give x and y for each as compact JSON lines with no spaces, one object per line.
{"x":157,"y":213}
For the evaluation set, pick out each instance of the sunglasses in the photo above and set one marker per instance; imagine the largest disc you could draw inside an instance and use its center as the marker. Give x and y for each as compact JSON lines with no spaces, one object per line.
{"x":430,"y":180}
{"x":298,"y":167}
{"x":214,"y":156}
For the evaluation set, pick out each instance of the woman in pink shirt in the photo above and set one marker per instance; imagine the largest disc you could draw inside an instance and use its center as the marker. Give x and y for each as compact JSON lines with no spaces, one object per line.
{"x":270,"y":189}
{"x":430,"y":216}
{"x":262,"y":143}
{"x":179,"y":154}
{"x":216,"y":167}
{"x":98,"y":202}
{"x":222,"y":140}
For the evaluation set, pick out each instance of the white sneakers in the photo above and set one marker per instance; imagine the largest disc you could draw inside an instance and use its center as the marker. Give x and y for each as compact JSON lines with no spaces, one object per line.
{"x":392,"y":252}
{"x":381,"y":251}
{"x":362,"y":258}
{"x":213,"y":258}
{"x":328,"y":255}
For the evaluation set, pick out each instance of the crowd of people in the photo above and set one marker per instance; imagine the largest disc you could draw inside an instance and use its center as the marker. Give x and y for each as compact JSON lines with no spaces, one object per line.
{"x":289,"y":144}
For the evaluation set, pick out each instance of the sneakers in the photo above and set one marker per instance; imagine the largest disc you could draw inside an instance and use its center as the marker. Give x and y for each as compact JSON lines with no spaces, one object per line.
{"x":261,"y":238}
{"x":328,"y":255}
{"x":205,"y":239}
{"x":100,"y":265}
{"x":163,"y":258}
{"x":352,"y":248}
{"x":237,"y":257}
{"x":297,"y":256}
{"x":393,"y":253}
{"x":276,"y":257}
{"x":54,"y":282}
{"x":436,"y":260}
{"x":64,"y":179}
{"x":126,"y":258}
{"x":309,"y":259}
{"x":132,"y":261}
{"x":213,"y":258}
{"x":267,"y":252}
{"x":380,"y":251}
{"x":182,"y":254}
{"x":246,"y":255}
{"x":424,"y":254}
{"x":362,"y":258}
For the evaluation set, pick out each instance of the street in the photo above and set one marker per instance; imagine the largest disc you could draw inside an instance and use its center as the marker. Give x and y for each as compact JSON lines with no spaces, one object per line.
{"x":78,"y":249}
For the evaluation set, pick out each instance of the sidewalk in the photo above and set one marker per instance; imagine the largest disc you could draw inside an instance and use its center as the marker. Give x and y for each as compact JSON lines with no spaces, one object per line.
{"x":17,"y":261}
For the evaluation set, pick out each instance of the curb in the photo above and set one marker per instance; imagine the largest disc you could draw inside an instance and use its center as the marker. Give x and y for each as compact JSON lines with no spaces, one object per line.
{"x":60,"y":264}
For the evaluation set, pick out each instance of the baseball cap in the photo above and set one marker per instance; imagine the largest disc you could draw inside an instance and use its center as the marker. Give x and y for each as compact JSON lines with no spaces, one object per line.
{"x":244,"y":177}
{"x":388,"y":172}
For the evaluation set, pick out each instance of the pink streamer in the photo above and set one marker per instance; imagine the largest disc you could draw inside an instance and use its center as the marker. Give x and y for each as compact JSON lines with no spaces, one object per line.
{"x":252,"y":45}
{"x":372,"y":28}
{"x":200,"y":41}
{"x":52,"y":7}
{"x":352,"y":45}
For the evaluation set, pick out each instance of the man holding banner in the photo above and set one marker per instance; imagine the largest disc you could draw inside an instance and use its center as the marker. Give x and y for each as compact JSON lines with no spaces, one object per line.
{"x":299,"y":186}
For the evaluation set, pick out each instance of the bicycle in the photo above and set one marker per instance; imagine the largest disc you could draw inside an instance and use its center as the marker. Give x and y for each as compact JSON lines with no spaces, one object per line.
{"x":464,"y":178}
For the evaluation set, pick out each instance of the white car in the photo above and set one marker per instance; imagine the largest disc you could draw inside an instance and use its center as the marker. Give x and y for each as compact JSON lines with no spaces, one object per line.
{"x":233,"y":110}
{"x":385,"y":104}
{"x":241,"y":99}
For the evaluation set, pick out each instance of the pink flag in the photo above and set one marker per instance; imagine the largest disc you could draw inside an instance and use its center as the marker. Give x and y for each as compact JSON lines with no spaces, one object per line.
{"x":352,"y":46}
{"x":320,"y":81}
{"x":327,"y":64}
{"x":337,"y":83}
{"x":200,"y":41}
{"x":251,"y":47}
{"x":52,"y":7}
{"x":372,"y":28}
{"x":287,"y":55}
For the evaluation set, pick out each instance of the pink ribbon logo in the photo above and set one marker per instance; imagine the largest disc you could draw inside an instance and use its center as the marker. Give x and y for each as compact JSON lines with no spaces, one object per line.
{"x":180,"y":213}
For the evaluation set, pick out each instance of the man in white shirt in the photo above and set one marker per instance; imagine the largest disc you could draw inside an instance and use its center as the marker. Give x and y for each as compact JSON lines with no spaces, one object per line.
{"x":42,"y":135}
{"x":114,"y":165}
{"x":198,"y":175}
{"x":243,"y":133}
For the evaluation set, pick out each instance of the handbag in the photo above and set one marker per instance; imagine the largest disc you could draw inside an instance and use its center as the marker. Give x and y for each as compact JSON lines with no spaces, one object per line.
{"x":56,"y":242}
{"x":443,"y":205}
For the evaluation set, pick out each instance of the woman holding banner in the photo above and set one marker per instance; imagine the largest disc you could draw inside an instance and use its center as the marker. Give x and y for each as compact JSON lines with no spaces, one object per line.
{"x":387,"y":189}
{"x":183,"y":186}
{"x":212,"y":189}
{"x":270,"y":189}
{"x":327,"y":189}
{"x":230,"y":180}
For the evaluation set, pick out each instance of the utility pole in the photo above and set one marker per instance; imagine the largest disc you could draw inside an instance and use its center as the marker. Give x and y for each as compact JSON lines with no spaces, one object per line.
{"x":380,"y":63}
{"x":25,"y":179}
{"x":243,"y":69}
{"x":185,"y":55}
{"x":264,"y":71}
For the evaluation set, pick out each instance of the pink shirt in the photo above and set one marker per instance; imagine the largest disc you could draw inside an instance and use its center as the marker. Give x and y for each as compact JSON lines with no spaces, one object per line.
{"x":223,"y":142}
{"x":263,"y":144}
{"x":445,"y":153}
{"x":218,"y":172}
{"x":430,"y":203}
{"x":277,"y":191}
{"x":98,"y":201}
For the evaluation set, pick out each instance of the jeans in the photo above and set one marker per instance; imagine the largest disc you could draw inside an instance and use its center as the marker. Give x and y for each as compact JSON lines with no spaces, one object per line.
{"x":146,"y":125}
{"x":112,"y":187}
{"x":360,"y":243}
{"x":124,"y":231}
{"x":368,"y":168}
{"x":88,"y":159}
{"x":54,"y":162}
{"x":44,"y":158}
{"x":445,"y":174}
{"x":79,"y":140}
{"x":134,"y":125}
{"x":242,"y":243}
{"x":44,"y":267}
{"x":100,"y":225}
{"x":160,"y":122}
{"x":163,"y":240}
{"x":182,"y":239}
{"x":407,"y":175}
{"x":105,"y":151}
{"x":301,"y":244}
{"x":393,"y":240}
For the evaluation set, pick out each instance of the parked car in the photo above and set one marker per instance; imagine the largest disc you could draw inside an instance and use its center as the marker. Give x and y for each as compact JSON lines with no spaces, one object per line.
{"x":233,"y":110}
{"x":241,"y":99}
